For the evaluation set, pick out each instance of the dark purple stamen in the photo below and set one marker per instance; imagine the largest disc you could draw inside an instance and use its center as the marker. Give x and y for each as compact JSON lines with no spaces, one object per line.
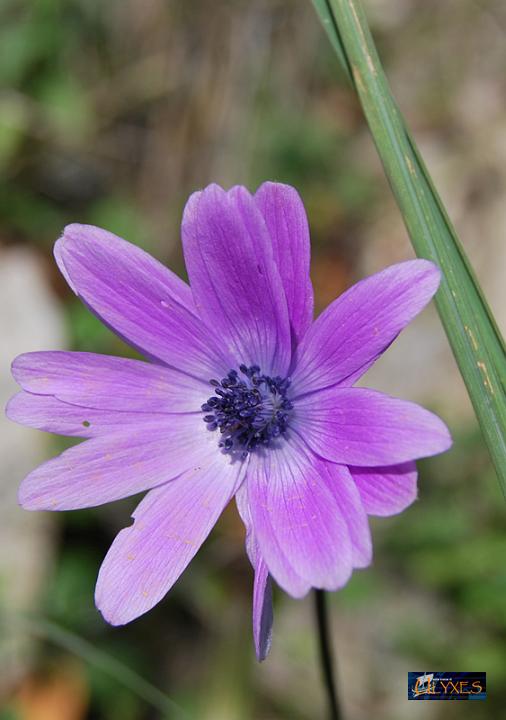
{"x":249,"y":411}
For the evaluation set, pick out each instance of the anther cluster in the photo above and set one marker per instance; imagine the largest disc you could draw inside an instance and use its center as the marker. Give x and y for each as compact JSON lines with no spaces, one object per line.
{"x":249,"y":409}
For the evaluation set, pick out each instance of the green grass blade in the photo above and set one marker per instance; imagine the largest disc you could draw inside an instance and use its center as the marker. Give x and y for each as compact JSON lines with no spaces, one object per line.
{"x":327,"y":18}
{"x":472,"y":332}
{"x":109,"y":665}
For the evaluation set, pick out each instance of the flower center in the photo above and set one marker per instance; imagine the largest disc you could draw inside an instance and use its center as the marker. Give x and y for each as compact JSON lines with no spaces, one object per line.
{"x":249,"y":409}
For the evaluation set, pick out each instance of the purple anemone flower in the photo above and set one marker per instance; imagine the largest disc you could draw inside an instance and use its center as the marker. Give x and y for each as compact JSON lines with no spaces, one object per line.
{"x":243,"y":395}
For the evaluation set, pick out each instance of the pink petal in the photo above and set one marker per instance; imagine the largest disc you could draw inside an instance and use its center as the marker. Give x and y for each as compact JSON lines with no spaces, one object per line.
{"x":47,"y":413}
{"x":115,"y":466}
{"x":144,"y":302}
{"x":170,"y":525}
{"x":109,"y":383}
{"x":286,"y":221}
{"x":345,"y":492}
{"x":234,"y":279}
{"x":262,"y":586}
{"x":262,"y":610}
{"x":357,"y":426}
{"x":296,"y":519}
{"x":386,"y":490}
{"x":299,"y":586}
{"x":357,"y":327}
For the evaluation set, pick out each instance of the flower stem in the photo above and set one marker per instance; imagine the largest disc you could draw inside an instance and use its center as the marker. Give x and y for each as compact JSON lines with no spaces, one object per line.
{"x":326,"y":658}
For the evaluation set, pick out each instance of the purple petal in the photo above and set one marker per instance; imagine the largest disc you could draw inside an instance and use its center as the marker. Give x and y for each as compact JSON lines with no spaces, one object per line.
{"x":298,"y":586}
{"x":262,"y":586}
{"x":109,"y":383}
{"x":357,"y":327}
{"x":347,"y":496}
{"x":47,"y":413}
{"x":234,"y":279}
{"x":357,"y":426}
{"x":171,"y":523}
{"x":262,"y":610}
{"x":386,"y":490}
{"x":286,"y":221}
{"x":296,"y":519}
{"x":140,"y":299}
{"x":115,"y":466}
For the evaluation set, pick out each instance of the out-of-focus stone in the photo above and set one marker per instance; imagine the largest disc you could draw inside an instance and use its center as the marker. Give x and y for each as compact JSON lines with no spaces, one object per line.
{"x":30,"y":319}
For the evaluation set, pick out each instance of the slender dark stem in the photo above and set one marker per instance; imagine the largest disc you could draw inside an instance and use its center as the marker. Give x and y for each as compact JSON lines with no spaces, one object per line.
{"x":326,"y":657}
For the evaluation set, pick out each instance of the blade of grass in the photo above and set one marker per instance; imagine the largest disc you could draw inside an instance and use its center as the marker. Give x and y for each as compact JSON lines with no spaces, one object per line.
{"x":109,"y":665}
{"x":471,"y":329}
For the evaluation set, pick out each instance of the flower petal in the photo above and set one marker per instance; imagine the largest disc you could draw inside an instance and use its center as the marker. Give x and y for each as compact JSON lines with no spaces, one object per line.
{"x":386,"y":490}
{"x":287,"y":224}
{"x":358,"y":426}
{"x":234,"y":279}
{"x":347,"y":496}
{"x":140,"y":299}
{"x":170,"y":525}
{"x":109,"y":383}
{"x":47,"y":413}
{"x":262,"y":609}
{"x":299,"y":586}
{"x":297,"y":520}
{"x":357,"y":327}
{"x":262,"y":586}
{"x":115,"y":466}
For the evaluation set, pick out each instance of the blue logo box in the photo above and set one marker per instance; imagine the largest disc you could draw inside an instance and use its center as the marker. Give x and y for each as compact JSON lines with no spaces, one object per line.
{"x":432,"y":685}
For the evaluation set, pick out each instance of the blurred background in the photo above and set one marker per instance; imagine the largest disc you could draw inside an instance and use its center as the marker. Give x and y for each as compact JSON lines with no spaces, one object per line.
{"x":112,"y":114}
